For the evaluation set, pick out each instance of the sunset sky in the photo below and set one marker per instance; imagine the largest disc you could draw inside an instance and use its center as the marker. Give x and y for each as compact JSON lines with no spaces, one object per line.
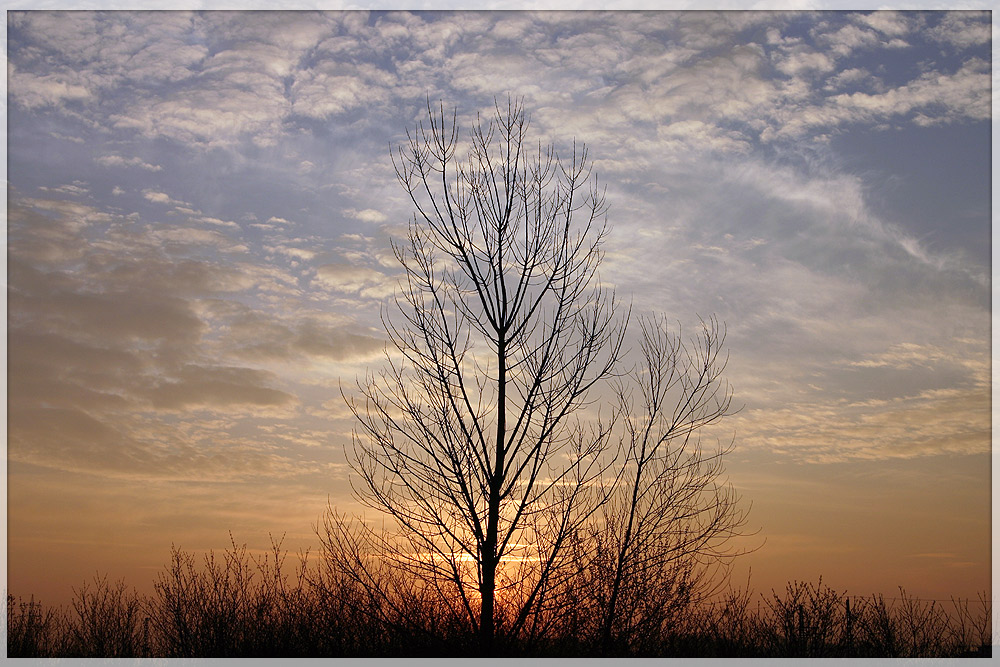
{"x":199,"y":214}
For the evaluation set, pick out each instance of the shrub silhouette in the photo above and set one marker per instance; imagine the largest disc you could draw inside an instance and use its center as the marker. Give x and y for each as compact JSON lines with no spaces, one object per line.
{"x":236,"y":604}
{"x":33,"y":631}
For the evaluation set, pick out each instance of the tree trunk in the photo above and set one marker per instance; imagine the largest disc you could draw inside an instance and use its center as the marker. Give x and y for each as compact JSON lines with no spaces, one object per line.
{"x":490,"y":557}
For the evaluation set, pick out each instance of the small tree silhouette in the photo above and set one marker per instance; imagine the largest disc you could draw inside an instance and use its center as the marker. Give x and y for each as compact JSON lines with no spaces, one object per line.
{"x":669,"y":519}
{"x":472,"y":439}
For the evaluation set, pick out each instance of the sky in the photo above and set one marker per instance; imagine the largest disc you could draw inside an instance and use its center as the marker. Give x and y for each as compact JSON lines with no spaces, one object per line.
{"x":199,"y":214}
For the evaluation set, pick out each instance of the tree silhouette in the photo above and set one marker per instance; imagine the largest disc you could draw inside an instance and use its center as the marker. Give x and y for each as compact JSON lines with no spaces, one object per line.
{"x":478,"y":439}
{"x":669,"y":519}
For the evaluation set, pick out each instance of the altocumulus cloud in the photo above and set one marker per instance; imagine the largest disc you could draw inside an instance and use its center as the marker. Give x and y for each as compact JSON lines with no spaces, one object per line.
{"x":203,"y":202}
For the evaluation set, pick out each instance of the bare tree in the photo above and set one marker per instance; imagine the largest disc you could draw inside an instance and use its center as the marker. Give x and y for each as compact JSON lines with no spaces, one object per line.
{"x":471,"y":439}
{"x":671,"y":516}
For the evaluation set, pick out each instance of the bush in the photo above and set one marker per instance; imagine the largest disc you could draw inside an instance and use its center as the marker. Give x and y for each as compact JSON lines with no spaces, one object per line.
{"x":239,"y":605}
{"x":33,"y":631}
{"x":107,"y":622}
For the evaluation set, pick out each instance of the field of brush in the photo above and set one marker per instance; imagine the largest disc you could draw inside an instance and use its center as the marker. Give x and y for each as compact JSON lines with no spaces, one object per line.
{"x":237,"y":605}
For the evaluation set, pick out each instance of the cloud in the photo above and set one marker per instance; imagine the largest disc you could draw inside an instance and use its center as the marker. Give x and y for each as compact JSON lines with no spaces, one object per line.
{"x":812,"y":281}
{"x":906,"y":356}
{"x":77,"y":188}
{"x":963,"y":95}
{"x":890,"y":23}
{"x":212,"y":116}
{"x":963,"y":29}
{"x":208,"y":80}
{"x":779,"y":231}
{"x":33,"y":91}
{"x":65,"y":137}
{"x":119,"y":161}
{"x":193,"y":236}
{"x":847,"y":77}
{"x":368,"y":215}
{"x":48,"y":230}
{"x":301,"y":254}
{"x":336,"y":343}
{"x":208,"y":388}
{"x":353,"y":279}
{"x":932,"y":424}
{"x":100,"y":52}
{"x":248,"y":333}
{"x":803,"y":60}
{"x":336,"y":87}
{"x":218,"y":223}
{"x":839,"y":201}
{"x":694,"y":135}
{"x":161,"y":198}
{"x":109,"y":342}
{"x":71,"y":440}
{"x":118,"y":316}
